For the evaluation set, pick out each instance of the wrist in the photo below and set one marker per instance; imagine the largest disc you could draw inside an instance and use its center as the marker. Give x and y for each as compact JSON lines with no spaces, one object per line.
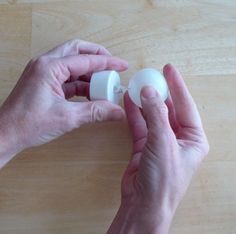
{"x":141,"y":219}
{"x":10,"y":144}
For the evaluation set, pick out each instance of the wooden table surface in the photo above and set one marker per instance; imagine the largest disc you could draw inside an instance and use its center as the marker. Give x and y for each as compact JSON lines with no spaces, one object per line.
{"x":72,"y":185}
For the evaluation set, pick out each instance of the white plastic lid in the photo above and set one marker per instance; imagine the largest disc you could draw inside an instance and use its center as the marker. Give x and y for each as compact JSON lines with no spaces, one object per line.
{"x":147,"y":77}
{"x":102,"y":86}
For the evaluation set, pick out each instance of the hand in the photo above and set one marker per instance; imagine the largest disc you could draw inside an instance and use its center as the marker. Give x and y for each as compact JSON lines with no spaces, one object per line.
{"x":37,"y":111}
{"x":168,"y":145}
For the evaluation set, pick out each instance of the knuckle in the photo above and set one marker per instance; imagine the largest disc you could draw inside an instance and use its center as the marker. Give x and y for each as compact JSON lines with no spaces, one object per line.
{"x":159,"y":114}
{"x":41,"y":62}
{"x":100,"y":49}
{"x":162,"y":109}
{"x":45,"y":67}
{"x":75,"y":43}
{"x":159,"y":108}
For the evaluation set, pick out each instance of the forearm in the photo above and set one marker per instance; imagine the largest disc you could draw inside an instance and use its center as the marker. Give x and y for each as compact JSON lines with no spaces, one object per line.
{"x":134,"y":220}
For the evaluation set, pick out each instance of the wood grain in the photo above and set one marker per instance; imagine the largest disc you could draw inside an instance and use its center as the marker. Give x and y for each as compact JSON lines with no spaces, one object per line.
{"x":72,"y":185}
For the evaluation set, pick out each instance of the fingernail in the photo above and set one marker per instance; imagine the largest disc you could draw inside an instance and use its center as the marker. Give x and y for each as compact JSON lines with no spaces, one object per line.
{"x":118,"y":115}
{"x":148,"y":92}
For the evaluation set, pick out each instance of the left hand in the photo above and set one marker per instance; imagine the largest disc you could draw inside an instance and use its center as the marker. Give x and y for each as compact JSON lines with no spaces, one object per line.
{"x":37,"y":111}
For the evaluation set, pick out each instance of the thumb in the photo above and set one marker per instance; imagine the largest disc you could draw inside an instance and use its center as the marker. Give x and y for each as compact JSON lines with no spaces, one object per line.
{"x":98,"y":111}
{"x":155,"y":114}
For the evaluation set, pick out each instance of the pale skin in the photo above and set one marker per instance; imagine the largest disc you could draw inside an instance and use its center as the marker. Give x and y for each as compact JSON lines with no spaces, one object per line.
{"x":169,"y":142}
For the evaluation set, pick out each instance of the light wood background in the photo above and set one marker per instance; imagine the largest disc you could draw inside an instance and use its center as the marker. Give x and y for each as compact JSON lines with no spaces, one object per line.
{"x":72,"y":185}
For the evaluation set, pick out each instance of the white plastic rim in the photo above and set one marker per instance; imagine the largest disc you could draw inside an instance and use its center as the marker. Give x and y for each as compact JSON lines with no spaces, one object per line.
{"x":102,"y":86}
{"x":147,"y":77}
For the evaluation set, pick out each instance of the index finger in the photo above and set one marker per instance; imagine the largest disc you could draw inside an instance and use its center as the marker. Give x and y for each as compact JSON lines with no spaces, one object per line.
{"x":75,"y":66}
{"x":186,"y":110}
{"x":76,"y":47}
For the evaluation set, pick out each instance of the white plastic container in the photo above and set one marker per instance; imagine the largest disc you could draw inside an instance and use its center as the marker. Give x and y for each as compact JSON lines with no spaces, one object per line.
{"x":105,"y":85}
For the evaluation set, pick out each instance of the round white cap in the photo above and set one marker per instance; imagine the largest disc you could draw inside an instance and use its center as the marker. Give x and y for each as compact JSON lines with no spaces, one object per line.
{"x":147,"y":77}
{"x":102,"y":86}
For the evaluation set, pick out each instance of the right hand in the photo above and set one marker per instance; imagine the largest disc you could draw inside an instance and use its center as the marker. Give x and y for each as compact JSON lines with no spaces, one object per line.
{"x":168,"y":145}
